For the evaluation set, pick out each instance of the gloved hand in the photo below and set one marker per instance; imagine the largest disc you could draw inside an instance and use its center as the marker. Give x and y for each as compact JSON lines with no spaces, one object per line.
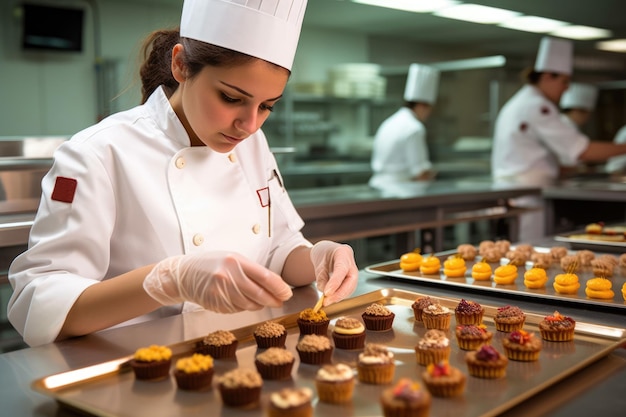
{"x":224,"y":282}
{"x":336,"y":273}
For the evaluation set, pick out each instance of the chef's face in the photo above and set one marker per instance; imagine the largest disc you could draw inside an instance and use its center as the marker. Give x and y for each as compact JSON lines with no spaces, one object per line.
{"x":554,"y":85}
{"x":222,"y":106}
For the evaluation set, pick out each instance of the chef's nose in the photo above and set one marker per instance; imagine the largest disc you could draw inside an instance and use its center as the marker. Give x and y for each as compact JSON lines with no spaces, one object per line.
{"x":248,"y":120}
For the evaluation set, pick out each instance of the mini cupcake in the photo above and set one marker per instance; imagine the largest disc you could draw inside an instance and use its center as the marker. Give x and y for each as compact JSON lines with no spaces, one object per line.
{"x":194,"y":372}
{"x":270,"y":334}
{"x":406,"y":398}
{"x":375,"y":364}
{"x":220,"y":344}
{"x":434,"y":347}
{"x":291,"y":402}
{"x":521,"y":345}
{"x":468,"y":312}
{"x":313,"y":322}
{"x":420,"y":304}
{"x":486,"y":362}
{"x":274,"y":363}
{"x":436,"y":316}
{"x":509,"y":318}
{"x":314,"y":349}
{"x":443,"y":380}
{"x":377,"y":317}
{"x":335,"y":383}
{"x":472,"y":337}
{"x":557,"y":328}
{"x":152,"y":362}
{"x":240,"y":387}
{"x":349,"y":333}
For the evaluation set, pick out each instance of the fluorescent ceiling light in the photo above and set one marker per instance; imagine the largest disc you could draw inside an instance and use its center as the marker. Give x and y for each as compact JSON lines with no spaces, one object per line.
{"x":477,"y":14}
{"x":533,"y":24}
{"x":581,"y":32}
{"x":614,"y":45}
{"x":417,"y":6}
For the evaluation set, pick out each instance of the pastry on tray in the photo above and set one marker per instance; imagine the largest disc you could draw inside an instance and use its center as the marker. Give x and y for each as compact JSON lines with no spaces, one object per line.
{"x":376,"y":364}
{"x":454,"y":267}
{"x":314,"y":349}
{"x":335,"y":383}
{"x":420,"y":304}
{"x":557,"y":328}
{"x":436,"y":316}
{"x":443,"y":380}
{"x":240,"y":387}
{"x":472,"y":337}
{"x":220,"y":344}
{"x":521,"y":345}
{"x":535,"y":278}
{"x":348,"y":333}
{"x":567,"y":283}
{"x":274,"y":363}
{"x":407,"y":398}
{"x":433,"y":347}
{"x":377,"y":317}
{"x":194,"y":373}
{"x":505,"y":274}
{"x":481,"y":271}
{"x":411,"y":262}
{"x":468,"y":312}
{"x":313,"y":322}
{"x":467,"y":251}
{"x":430,"y":265}
{"x":291,"y":402}
{"x":599,"y":288}
{"x":270,"y":334}
{"x":486,"y":362}
{"x":509,"y":318}
{"x":152,"y":362}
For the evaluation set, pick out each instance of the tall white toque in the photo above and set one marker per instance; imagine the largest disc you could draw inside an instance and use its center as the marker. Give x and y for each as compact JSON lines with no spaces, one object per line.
{"x":579,"y":96}
{"x":266,"y":29}
{"x":422,"y":84}
{"x":555,"y":55}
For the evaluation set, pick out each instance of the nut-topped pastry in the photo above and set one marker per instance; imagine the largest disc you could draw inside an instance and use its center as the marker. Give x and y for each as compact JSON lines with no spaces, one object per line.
{"x":509,"y":318}
{"x":378,"y":317}
{"x":557,"y":328}
{"x":291,"y":402}
{"x":432,"y":348}
{"x":471,"y":336}
{"x":349,"y":333}
{"x":219,"y":344}
{"x":335,"y":383}
{"x":240,"y":387}
{"x":468,"y":312}
{"x":270,"y":334}
{"x":376,"y":364}
{"x":274,"y":363}
{"x":420,"y":304}
{"x":436,"y":316}
{"x":314,"y":349}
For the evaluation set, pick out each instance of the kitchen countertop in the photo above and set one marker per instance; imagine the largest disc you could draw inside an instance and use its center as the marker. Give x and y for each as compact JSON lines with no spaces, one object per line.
{"x":594,"y":390}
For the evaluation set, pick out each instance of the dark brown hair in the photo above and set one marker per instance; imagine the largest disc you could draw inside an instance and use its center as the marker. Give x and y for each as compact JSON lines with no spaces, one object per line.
{"x":156,"y":69}
{"x":532,"y":77}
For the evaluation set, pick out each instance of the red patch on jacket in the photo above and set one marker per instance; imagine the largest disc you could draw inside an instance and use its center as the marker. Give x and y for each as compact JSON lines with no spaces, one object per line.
{"x":64,"y":189}
{"x":545,"y":110}
{"x":523,"y":127}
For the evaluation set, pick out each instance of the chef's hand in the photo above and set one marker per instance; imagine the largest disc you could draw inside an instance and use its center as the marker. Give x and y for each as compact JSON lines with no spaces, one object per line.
{"x":224,"y":282}
{"x":336,"y":272}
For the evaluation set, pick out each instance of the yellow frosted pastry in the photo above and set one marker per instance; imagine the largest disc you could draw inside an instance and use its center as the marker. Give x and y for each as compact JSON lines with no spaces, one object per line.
{"x":624,"y":291}
{"x":454,"y":267}
{"x":430,"y":265}
{"x":535,"y":278}
{"x":410,"y":262}
{"x":566,"y":283}
{"x":599,"y":288}
{"x":481,"y":271}
{"x":505,"y":274}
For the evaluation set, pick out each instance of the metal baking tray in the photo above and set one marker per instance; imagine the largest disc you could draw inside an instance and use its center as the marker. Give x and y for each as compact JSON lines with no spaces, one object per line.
{"x":110,"y":389}
{"x":581,"y":240}
{"x":392,"y":269}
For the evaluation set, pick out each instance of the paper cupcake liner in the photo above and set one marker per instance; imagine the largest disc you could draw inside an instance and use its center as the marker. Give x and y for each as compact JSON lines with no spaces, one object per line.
{"x":564,"y":335}
{"x":193,"y":381}
{"x":302,"y":410}
{"x":489,"y":372}
{"x":313,"y":327}
{"x":218,"y":352}
{"x":521,"y":355}
{"x":417,"y":313}
{"x":274,"y":371}
{"x":376,"y":374}
{"x":151,"y":370}
{"x":240,"y":396}
{"x":469,"y":318}
{"x":446,"y":389}
{"x":315,"y":358}
{"x":378,"y":323}
{"x":428,"y":356}
{"x":349,"y":341}
{"x":268,"y":342}
{"x":335,"y":392}
{"x":509,"y":327}
{"x":439,"y":321}
{"x":405,"y":410}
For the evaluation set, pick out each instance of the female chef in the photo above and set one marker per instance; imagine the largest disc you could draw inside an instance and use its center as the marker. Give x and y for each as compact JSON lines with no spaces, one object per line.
{"x":531,"y":140}
{"x":578,"y":103}
{"x":177,"y":203}
{"x":400,"y":153}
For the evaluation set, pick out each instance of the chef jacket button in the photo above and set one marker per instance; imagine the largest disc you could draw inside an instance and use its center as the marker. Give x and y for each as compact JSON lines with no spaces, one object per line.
{"x":198,"y":239}
{"x":180,"y":163}
{"x":256,"y":229}
{"x":232,"y":157}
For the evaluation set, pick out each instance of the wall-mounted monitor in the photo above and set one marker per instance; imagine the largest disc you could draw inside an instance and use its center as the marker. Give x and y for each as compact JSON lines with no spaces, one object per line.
{"x":52,"y":28}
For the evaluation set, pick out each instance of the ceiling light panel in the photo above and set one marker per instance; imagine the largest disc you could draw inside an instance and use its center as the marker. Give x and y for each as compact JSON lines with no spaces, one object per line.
{"x":477,"y":14}
{"x":581,"y":32}
{"x":533,"y":24}
{"x":614,"y":45}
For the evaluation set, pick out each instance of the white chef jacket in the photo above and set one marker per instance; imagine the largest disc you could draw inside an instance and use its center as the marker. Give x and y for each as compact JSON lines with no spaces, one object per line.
{"x":618,"y":163}
{"x":142,"y":194}
{"x":399,"y":152}
{"x":531,"y":140}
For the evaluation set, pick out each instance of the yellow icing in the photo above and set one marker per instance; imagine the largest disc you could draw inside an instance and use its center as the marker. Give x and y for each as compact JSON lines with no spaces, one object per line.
{"x":195,"y":363}
{"x":153,"y":353}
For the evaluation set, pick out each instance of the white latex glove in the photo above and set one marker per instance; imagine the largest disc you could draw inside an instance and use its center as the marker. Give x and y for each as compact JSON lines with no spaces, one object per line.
{"x":224,"y":282}
{"x":336,"y":273}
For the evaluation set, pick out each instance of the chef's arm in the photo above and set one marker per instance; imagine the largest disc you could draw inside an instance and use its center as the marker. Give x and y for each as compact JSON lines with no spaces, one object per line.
{"x":108,"y":303}
{"x":601,"y":151}
{"x":298,"y":270}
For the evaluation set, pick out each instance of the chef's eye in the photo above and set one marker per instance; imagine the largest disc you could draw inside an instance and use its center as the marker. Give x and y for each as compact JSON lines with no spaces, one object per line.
{"x":228,"y":99}
{"x":267,"y":107}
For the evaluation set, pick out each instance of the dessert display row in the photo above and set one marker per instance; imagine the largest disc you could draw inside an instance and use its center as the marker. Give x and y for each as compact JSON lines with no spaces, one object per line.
{"x":334,"y":381}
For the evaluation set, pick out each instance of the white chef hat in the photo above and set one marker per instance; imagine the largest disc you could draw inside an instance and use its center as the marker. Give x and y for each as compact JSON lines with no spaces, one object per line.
{"x":555,"y":55}
{"x":579,"y":96}
{"x":266,"y":29}
{"x":421,"y":84}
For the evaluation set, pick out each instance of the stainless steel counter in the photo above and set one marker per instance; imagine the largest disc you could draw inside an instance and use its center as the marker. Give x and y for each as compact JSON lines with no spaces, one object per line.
{"x":596,"y":389}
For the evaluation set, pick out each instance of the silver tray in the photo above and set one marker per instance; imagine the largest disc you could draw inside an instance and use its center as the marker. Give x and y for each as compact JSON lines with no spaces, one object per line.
{"x":392,"y":269}
{"x":581,"y":240}
{"x":110,"y":389}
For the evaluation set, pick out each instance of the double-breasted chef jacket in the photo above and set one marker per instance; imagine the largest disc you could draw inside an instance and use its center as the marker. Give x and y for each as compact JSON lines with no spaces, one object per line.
{"x":399,"y":152}
{"x":131,"y":191}
{"x":531,"y":140}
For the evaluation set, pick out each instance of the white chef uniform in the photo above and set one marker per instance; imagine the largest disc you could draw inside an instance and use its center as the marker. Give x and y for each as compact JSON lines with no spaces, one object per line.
{"x":618,"y":163}
{"x":142,"y":194}
{"x":400,"y":153}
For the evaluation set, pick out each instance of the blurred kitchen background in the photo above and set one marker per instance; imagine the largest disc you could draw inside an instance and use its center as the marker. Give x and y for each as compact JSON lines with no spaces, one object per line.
{"x":348,"y":76}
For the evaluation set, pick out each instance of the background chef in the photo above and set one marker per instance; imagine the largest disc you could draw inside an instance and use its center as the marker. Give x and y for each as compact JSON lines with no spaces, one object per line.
{"x":400,"y":153}
{"x":177,"y":203}
{"x":578,"y":103}
{"x":531,"y":141}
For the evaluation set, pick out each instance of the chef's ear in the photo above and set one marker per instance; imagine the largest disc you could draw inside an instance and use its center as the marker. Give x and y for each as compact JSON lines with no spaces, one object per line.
{"x":178,"y":65}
